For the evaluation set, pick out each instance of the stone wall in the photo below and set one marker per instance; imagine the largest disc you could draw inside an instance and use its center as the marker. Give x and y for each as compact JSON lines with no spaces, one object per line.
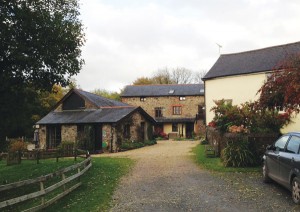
{"x":42,"y":137}
{"x":189,"y":105}
{"x":258,"y":141}
{"x":68,"y":133}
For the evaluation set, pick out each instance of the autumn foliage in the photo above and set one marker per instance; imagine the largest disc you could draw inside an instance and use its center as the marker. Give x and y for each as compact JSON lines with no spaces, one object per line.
{"x":282,"y":88}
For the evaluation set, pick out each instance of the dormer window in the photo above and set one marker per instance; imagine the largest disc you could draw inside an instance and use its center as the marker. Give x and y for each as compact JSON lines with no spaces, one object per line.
{"x":182,"y":98}
{"x":143,"y":99}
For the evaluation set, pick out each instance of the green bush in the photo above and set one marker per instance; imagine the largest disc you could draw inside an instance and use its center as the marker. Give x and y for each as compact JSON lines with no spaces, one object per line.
{"x":238,"y":154}
{"x":204,"y":142}
{"x":128,"y":145}
{"x":247,"y":117}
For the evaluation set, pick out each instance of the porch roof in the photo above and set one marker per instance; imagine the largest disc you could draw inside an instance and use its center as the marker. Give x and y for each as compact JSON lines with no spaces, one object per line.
{"x":175,"y":120}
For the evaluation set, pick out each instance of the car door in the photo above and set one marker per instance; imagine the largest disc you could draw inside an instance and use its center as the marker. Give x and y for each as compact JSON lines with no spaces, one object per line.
{"x":272,"y":157}
{"x":289,"y":159}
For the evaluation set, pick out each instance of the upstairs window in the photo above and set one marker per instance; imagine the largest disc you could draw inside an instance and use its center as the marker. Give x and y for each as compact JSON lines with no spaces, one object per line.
{"x":177,"y":110}
{"x":143,"y":99}
{"x":182,"y":98}
{"x":158,"y":112}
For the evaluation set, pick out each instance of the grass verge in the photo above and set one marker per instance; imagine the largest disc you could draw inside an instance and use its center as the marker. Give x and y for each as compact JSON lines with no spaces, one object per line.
{"x":97,"y":187}
{"x":215,"y":164}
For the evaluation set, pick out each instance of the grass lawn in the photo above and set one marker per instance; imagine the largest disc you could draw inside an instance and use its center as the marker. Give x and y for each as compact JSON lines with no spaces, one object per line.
{"x":97,"y":187}
{"x":215,"y":164}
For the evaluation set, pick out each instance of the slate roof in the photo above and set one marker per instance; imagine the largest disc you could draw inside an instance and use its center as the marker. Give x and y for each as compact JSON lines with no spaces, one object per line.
{"x":106,"y":115}
{"x":175,"y":120}
{"x":107,"y":111}
{"x":163,"y":90}
{"x":255,"y":61}
{"x":100,"y":101}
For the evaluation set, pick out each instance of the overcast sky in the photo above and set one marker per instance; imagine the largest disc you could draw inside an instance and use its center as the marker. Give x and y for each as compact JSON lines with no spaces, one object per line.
{"x":128,"y":39}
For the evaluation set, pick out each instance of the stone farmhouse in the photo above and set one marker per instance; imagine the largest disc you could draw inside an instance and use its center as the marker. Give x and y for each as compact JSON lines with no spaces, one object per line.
{"x":177,"y":109}
{"x":238,"y":77}
{"x":90,"y":120}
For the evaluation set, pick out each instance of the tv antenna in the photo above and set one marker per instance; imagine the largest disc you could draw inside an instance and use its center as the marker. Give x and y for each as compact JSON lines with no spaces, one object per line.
{"x":220,"y":46}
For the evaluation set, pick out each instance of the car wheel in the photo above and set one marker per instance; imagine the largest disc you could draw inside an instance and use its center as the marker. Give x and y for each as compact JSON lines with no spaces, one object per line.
{"x":296,"y":190}
{"x":266,"y":177}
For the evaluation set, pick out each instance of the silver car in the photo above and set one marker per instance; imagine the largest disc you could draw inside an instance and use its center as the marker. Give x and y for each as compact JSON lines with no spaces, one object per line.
{"x":281,"y":163}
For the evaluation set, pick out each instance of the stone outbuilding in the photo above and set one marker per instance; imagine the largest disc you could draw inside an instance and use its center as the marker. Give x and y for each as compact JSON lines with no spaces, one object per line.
{"x":177,"y":108}
{"x":91,"y":120}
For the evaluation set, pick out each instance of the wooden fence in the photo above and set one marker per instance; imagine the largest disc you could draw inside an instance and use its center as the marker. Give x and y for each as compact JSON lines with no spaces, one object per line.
{"x":37,"y":154}
{"x":81,"y":167}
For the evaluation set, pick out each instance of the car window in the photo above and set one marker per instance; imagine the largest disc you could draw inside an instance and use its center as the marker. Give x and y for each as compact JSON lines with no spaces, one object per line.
{"x":281,"y":142}
{"x":293,"y":145}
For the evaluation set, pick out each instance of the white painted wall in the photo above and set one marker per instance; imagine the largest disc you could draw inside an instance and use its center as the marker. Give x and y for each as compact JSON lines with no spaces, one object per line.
{"x":239,"y":89}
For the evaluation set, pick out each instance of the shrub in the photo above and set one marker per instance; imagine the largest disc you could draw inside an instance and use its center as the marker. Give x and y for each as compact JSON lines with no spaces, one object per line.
{"x":237,"y":154}
{"x":204,"y":142}
{"x":128,"y":145}
{"x":246,"y":118}
{"x":17,"y":146}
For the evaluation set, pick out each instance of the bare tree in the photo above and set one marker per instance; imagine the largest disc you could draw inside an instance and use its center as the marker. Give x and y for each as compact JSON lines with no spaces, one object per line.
{"x":199,"y":75}
{"x":182,"y":75}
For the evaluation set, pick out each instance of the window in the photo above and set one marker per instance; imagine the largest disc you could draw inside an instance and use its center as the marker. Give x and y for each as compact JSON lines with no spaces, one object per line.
{"x":281,"y":142}
{"x":158,"y":112}
{"x":53,"y":136}
{"x":143,"y":99}
{"x":126,"y":132}
{"x":171,"y":91}
{"x":182,"y":98}
{"x":293,"y":145}
{"x":177,"y":110}
{"x":174,"y":127}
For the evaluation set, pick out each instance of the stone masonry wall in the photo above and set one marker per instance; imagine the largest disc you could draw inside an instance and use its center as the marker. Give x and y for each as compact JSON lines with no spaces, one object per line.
{"x":135,"y":129}
{"x":68,"y":133}
{"x":189,"y":105}
{"x":42,"y":137}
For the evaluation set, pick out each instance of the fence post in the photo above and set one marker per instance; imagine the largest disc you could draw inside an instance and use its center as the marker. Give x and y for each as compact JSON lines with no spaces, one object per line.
{"x":42,"y":189}
{"x":75,"y":154}
{"x":78,"y":170}
{"x":37,"y":156}
{"x":63,"y":178}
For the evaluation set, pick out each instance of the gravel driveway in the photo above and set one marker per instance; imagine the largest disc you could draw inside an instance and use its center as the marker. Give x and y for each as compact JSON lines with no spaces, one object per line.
{"x":165,"y":178}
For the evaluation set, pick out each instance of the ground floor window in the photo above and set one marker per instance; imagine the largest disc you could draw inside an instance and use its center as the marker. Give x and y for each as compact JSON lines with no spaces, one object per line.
{"x":126,"y":131}
{"x":53,"y":136}
{"x":89,"y":137}
{"x":174,"y":127}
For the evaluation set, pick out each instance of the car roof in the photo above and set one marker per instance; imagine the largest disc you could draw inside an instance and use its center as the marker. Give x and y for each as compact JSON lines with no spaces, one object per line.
{"x":293,"y":133}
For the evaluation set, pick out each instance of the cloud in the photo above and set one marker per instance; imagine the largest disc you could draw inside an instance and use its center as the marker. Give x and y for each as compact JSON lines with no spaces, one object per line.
{"x":130,"y":39}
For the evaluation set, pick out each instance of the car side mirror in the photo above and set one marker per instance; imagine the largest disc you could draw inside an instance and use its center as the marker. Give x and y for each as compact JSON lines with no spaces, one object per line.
{"x":271,"y":147}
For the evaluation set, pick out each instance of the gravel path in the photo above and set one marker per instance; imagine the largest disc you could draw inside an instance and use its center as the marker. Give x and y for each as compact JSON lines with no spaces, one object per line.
{"x":166,"y":179}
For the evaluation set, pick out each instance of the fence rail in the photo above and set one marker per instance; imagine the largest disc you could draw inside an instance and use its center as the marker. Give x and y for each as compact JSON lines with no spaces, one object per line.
{"x":81,"y":167}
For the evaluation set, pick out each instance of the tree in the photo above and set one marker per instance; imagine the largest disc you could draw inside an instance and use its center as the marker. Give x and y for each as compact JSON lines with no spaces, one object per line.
{"x":40,"y":46}
{"x":40,"y":41}
{"x":282,"y":87}
{"x":198,"y":76}
{"x":143,"y":81}
{"x":162,"y":76}
{"x":182,"y":76}
{"x":107,"y":94}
